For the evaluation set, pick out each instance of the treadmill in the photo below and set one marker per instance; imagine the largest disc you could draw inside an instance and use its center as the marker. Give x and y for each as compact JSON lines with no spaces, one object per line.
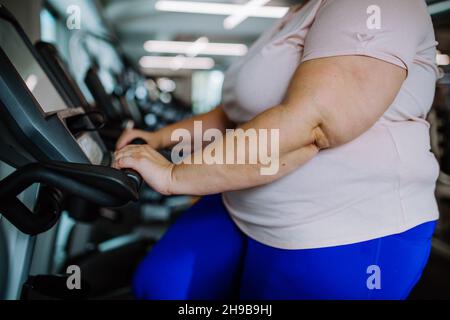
{"x":50,"y":148}
{"x":108,"y":126}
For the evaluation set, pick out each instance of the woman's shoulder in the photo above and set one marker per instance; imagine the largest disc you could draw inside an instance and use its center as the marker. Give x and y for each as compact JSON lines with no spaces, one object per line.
{"x":384,"y":7}
{"x":409,"y":16}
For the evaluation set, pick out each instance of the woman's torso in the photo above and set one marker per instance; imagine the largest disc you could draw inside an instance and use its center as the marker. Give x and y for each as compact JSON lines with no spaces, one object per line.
{"x":381,"y":183}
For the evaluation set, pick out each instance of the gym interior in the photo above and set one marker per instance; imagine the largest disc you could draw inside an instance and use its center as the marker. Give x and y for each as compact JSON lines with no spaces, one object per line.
{"x":76,"y":74}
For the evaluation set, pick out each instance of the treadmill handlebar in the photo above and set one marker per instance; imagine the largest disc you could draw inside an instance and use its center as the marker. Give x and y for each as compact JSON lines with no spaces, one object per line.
{"x":166,"y":153}
{"x":134,"y":176}
{"x":138,"y":141}
{"x":104,"y":186}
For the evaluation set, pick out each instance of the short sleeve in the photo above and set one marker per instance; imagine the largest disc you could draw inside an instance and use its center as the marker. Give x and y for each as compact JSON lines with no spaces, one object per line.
{"x":390,"y":30}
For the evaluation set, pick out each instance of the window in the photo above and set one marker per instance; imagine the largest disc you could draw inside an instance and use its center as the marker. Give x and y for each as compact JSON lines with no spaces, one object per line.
{"x":48,"y":26}
{"x":206,"y":90}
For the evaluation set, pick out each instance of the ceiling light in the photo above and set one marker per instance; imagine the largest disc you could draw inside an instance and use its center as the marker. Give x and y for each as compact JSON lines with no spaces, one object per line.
{"x":197,"y":47}
{"x":235,"y":19}
{"x":219,"y":8}
{"x":177,"y":63}
{"x":201,"y":46}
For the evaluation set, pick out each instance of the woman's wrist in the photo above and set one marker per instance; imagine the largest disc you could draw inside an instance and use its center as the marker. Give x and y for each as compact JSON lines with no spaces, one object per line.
{"x":179,"y":182}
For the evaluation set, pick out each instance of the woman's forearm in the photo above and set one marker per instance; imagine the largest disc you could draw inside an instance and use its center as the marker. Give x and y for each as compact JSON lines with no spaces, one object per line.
{"x":198,"y":177}
{"x":214,"y":119}
{"x":326,"y":105}
{"x":317,"y":113}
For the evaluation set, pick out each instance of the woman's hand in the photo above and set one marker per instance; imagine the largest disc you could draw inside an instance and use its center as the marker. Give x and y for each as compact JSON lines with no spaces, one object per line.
{"x":129,"y":135}
{"x":151,"y":165}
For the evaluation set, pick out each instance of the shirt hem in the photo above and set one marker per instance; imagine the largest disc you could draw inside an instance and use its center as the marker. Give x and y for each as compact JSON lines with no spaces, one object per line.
{"x":328,"y":243}
{"x":392,"y":59}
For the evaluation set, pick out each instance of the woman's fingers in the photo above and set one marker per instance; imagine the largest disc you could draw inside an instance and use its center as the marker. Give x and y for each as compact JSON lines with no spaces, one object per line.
{"x":128,"y":136}
{"x":153,"y":167}
{"x":129,"y":153}
{"x":126,"y":162}
{"x":125,"y":138}
{"x":127,"y":150}
{"x":136,"y":152}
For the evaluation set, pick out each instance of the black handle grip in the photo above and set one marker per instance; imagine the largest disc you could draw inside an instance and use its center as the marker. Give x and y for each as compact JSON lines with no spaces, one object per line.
{"x":134,"y":176}
{"x":138,"y":141}
{"x":101,"y":185}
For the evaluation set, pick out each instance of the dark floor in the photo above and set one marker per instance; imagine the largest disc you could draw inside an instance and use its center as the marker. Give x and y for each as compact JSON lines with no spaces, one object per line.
{"x":435,"y":281}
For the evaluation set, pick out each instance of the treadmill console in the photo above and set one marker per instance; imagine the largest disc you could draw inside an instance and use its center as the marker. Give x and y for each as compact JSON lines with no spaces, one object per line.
{"x":40,"y":119}
{"x":29,"y":69}
{"x":48,"y":141}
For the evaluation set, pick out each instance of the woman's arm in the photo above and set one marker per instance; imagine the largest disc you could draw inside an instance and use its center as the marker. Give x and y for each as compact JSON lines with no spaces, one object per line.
{"x":330,"y":102}
{"x":162,"y":138}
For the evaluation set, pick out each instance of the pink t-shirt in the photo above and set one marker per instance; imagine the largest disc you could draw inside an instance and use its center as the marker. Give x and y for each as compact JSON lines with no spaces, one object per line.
{"x":380,"y":184}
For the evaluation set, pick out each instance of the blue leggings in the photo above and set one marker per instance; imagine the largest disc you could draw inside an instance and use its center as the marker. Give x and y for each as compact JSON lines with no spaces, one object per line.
{"x":205,"y":256}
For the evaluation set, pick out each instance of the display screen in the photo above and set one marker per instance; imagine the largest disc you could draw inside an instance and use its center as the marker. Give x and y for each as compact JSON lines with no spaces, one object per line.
{"x":29,"y":69}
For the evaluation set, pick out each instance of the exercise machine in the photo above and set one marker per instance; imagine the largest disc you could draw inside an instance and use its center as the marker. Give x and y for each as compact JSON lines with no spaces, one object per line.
{"x":55,"y":159}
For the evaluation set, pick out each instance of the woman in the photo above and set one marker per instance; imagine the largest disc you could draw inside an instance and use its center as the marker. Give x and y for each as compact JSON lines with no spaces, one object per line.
{"x":350,"y":213}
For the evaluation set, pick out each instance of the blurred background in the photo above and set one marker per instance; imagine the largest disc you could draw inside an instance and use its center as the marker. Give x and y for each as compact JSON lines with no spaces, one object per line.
{"x":186,"y":45}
